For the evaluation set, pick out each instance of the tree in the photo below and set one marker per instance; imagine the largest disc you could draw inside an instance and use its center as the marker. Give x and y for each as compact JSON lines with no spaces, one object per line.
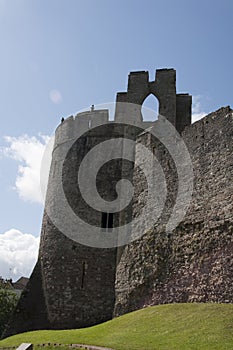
{"x":8,"y":301}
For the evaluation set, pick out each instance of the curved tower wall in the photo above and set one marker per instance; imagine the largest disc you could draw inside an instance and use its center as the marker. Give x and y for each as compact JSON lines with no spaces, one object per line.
{"x":78,"y":280}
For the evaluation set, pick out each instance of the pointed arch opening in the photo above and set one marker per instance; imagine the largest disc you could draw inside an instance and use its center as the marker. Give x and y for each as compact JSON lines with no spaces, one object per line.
{"x":150,"y":108}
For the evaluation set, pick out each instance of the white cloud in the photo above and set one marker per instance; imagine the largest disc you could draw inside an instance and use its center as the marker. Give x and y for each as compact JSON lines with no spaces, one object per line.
{"x":197,"y":112}
{"x":28,"y":151}
{"x":55,"y":96}
{"x":18,"y":254}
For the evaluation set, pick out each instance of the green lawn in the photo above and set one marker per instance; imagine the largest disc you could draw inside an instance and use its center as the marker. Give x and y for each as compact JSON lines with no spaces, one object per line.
{"x":170,"y":327}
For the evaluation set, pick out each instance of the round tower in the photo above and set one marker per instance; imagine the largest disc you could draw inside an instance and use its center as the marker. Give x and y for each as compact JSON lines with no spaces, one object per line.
{"x":78,"y":280}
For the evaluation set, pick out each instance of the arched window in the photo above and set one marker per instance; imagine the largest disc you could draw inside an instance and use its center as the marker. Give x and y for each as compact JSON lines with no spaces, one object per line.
{"x":150,"y":108}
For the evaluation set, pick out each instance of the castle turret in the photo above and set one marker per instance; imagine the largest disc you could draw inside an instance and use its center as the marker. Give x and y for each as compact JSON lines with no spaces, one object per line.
{"x":175,"y":107}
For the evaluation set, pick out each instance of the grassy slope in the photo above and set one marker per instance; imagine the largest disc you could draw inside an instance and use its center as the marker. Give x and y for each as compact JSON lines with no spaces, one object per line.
{"x":170,"y":327}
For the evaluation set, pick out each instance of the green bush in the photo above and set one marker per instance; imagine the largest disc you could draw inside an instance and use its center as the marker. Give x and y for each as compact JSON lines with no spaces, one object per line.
{"x":8,"y":301}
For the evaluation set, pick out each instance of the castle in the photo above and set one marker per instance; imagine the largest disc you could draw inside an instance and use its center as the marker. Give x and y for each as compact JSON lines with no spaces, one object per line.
{"x":76,"y":285}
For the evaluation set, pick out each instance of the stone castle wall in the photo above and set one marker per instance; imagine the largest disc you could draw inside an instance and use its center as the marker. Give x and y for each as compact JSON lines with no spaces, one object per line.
{"x":195,"y":262}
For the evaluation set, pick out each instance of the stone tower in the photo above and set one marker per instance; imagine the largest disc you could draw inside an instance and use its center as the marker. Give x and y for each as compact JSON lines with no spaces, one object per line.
{"x":73,"y":285}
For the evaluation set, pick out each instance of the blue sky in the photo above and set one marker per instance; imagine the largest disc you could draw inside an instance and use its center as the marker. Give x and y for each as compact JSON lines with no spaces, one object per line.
{"x":58,"y":57}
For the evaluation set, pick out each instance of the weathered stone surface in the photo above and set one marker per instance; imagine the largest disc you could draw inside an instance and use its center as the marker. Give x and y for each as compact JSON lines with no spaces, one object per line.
{"x":77,"y":286}
{"x":194,"y":263}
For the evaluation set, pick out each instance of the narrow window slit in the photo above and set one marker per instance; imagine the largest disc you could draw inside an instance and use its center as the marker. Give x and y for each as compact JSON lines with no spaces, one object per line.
{"x":84,"y":269}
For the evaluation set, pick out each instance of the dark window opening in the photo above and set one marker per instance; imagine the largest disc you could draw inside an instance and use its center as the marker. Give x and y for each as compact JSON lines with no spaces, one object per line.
{"x":107,"y":221}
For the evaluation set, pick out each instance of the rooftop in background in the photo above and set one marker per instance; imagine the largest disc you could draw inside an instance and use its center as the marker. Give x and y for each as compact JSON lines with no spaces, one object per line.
{"x":21,"y":283}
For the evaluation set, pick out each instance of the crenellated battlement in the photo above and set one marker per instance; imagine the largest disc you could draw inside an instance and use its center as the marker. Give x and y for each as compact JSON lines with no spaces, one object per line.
{"x":175,"y":107}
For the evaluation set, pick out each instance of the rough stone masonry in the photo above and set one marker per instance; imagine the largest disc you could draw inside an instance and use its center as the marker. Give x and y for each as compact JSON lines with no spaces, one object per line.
{"x":73,"y":285}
